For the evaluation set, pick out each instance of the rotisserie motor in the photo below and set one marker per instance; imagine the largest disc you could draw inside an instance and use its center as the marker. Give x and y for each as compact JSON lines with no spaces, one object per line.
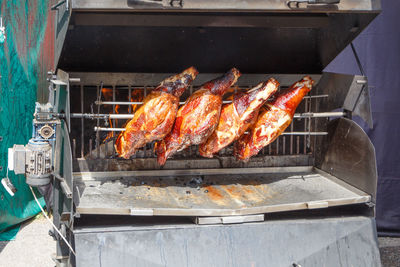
{"x":155,"y":118}
{"x":197,"y":118}
{"x":237,"y":117}
{"x":273,"y":120}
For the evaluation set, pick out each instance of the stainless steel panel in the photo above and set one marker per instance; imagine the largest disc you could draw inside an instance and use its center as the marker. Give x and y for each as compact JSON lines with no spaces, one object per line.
{"x":218,"y":5}
{"x":213,"y":194}
{"x":346,"y":92}
{"x":350,"y":156}
{"x":329,"y":242}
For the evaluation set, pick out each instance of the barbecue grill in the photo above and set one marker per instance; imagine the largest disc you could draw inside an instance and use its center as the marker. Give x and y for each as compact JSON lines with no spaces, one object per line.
{"x":307,"y":199}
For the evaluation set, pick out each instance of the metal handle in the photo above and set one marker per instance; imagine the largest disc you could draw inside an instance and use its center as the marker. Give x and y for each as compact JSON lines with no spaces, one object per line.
{"x":161,"y":3}
{"x":146,"y":2}
{"x":296,"y":3}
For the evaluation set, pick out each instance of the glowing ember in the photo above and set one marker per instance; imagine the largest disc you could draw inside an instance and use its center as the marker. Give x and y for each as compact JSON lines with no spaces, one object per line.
{"x":107,"y":94}
{"x":137,"y":95}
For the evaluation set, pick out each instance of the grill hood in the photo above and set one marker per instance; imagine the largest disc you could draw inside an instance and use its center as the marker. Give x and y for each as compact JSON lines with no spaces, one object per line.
{"x":151,"y":36}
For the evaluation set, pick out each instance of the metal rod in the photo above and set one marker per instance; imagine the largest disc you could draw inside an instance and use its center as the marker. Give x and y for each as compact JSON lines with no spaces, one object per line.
{"x":141,"y":102}
{"x":113,"y":110}
{"x":190,"y":147}
{"x":129,"y":99}
{"x":297,"y":144}
{"x":305,"y":133}
{"x":99,"y":91}
{"x":82,"y":123}
{"x":284,"y":146}
{"x":73,"y":148}
{"x":90,"y":147}
{"x":144,"y":96}
{"x":315,"y":96}
{"x":309,"y":125}
{"x":130,"y":116}
{"x":305,"y":125}
{"x":100,"y":116}
{"x":105,"y":129}
{"x":74,"y":80}
{"x":319,"y":114}
{"x":291,"y":139}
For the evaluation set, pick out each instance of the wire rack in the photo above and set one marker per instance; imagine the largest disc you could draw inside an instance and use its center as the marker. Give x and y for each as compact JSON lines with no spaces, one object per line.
{"x":100,"y":111}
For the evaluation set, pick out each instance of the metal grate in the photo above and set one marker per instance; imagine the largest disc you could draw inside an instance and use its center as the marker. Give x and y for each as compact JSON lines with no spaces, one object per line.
{"x":100,"y":115}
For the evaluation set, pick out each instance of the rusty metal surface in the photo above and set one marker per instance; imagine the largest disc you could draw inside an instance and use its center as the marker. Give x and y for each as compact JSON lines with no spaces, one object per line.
{"x":214,"y":195}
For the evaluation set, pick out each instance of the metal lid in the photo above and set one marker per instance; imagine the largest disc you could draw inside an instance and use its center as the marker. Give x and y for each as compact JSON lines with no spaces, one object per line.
{"x":125,"y":38}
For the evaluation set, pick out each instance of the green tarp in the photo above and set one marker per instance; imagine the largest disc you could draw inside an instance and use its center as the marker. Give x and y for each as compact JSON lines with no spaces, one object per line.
{"x":25,"y":24}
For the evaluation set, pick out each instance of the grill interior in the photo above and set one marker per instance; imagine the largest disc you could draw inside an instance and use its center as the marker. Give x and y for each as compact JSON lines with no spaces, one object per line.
{"x":94,"y":138}
{"x":281,"y":177}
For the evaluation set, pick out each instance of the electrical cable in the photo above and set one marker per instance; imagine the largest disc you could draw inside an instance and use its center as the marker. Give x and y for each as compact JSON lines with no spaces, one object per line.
{"x":55,"y":228}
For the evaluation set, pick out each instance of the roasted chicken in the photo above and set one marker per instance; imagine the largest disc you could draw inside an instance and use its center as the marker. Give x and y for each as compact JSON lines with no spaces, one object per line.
{"x":197,"y":118}
{"x":155,"y":118}
{"x":237,"y":117}
{"x":273,"y":120}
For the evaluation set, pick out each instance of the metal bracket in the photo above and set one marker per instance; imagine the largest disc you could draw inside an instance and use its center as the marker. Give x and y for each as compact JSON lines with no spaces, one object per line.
{"x":56,"y":6}
{"x":229,"y":219}
{"x":64,"y":186}
{"x":358,"y":100}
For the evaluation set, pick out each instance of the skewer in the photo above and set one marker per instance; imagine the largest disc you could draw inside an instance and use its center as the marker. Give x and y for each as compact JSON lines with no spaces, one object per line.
{"x":180,"y":103}
{"x":130,"y":116}
{"x":305,"y":125}
{"x":82,"y":123}
{"x":106,"y":129}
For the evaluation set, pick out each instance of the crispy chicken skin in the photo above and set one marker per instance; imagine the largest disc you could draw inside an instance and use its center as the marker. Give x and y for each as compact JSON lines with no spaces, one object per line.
{"x":237,"y":117}
{"x":155,"y":118}
{"x":197,"y":118}
{"x":273,"y":120}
